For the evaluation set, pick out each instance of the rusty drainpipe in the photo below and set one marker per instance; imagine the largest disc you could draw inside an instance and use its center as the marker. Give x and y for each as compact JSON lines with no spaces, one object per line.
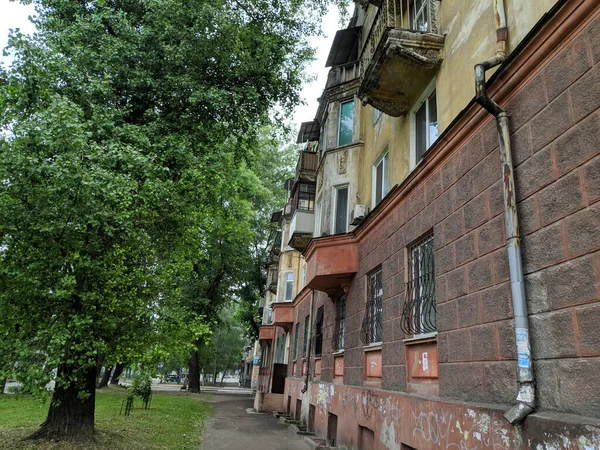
{"x":309,"y":348}
{"x":525,"y":402}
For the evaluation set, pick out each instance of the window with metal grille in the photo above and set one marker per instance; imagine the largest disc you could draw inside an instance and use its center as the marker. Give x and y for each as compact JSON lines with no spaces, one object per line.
{"x":340,"y":324}
{"x":319,"y":331}
{"x":296,"y":340}
{"x":371,"y":326}
{"x":418,"y":315}
{"x":305,"y":337}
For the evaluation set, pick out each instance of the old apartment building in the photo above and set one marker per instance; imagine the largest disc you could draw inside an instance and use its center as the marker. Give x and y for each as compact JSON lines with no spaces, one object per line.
{"x":437,"y":282}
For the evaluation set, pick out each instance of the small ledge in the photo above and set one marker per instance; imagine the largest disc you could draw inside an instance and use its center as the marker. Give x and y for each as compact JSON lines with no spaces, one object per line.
{"x":318,"y":358}
{"x":372,"y":347}
{"x":421,"y":338}
{"x":338,"y":353}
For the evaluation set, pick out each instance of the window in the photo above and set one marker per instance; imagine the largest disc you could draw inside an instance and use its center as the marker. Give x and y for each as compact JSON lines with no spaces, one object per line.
{"x":319,"y":331}
{"x":376,"y":115}
{"x":418,"y":315}
{"x":340,"y":324}
{"x":276,"y":360}
{"x":303,"y":275}
{"x":289,"y":286}
{"x":346,"y":124}
{"x":323,"y":140}
{"x":305,"y":338}
{"x":420,"y":14}
{"x":296,"y":340}
{"x":281,"y":350}
{"x":426,"y":125}
{"x":306,"y":197}
{"x":340,"y":219}
{"x":318,"y":209}
{"x":371,"y":327}
{"x":380,"y":179}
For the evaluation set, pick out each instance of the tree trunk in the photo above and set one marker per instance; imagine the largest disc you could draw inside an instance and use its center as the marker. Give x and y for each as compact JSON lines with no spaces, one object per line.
{"x":2,"y":385}
{"x":69,"y":416}
{"x":194,"y":373}
{"x":214,"y":380}
{"x":222,"y":377}
{"x":105,"y":378}
{"x":116,"y":374}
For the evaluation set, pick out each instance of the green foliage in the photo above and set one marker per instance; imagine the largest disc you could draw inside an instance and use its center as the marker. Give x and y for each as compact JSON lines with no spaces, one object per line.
{"x":132,"y":158}
{"x":141,"y":386}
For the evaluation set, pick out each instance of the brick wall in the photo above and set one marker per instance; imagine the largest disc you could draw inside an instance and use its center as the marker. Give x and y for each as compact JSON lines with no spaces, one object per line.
{"x":555,"y":126}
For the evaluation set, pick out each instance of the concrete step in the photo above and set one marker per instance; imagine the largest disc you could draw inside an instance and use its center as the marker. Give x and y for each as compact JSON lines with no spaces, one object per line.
{"x":317,"y":443}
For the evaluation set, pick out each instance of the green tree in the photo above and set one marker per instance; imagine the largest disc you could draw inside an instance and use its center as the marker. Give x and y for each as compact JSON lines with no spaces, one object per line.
{"x":117,"y":117}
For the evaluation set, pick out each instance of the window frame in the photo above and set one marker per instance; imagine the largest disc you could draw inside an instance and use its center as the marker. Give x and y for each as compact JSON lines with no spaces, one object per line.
{"x":339,"y":122}
{"x":384,"y":160}
{"x":318,"y":214}
{"x":323,"y":137}
{"x":423,"y":100}
{"x":336,"y":189}
{"x":289,"y":287}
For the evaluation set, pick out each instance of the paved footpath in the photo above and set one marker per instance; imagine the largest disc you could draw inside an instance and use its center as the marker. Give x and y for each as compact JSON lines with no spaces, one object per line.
{"x":231,"y":428}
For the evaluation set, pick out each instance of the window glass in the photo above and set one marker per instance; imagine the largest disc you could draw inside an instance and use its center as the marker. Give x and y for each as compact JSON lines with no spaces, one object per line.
{"x":305,"y":343}
{"x":376,"y":115}
{"x":289,"y":286}
{"x":323,"y":140}
{"x":381,"y":179}
{"x":426,"y":126}
{"x":433,"y":121}
{"x":319,"y":332}
{"x":421,"y":131}
{"x":341,"y":210}
{"x":296,"y":340}
{"x":346,"y":123}
{"x":340,"y":324}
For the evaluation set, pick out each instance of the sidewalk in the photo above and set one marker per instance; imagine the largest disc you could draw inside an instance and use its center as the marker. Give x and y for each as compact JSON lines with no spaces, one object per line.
{"x":231,"y":428}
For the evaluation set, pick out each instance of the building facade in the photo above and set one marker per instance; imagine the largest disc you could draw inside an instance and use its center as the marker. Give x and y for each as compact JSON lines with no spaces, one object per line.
{"x":451,"y":295}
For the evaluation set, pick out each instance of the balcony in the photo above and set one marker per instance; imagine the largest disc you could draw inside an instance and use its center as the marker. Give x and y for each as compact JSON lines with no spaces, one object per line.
{"x":401,"y":55}
{"x":331,"y":263}
{"x":283,"y":315}
{"x":306,"y":168}
{"x":266,"y":332}
{"x":301,"y":229}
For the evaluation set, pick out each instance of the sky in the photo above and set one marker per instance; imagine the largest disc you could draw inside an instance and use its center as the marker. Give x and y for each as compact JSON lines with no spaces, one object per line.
{"x":14,"y":15}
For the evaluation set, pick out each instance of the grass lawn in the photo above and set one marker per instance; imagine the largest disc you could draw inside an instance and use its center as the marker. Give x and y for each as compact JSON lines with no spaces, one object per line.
{"x":174,"y":421}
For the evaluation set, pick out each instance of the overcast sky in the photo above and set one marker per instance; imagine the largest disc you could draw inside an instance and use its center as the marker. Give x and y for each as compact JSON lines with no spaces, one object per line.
{"x":14,"y":15}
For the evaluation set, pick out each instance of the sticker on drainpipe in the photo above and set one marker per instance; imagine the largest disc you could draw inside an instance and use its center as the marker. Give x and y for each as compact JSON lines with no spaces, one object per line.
{"x":425,"y":362}
{"x":522,"y":337}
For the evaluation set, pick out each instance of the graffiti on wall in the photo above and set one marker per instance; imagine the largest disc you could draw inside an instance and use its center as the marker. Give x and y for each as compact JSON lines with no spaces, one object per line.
{"x":471,"y":432}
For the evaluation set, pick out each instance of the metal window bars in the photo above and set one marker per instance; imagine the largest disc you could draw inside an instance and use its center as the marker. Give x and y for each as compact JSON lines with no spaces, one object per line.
{"x":418,"y":315}
{"x":340,"y":324}
{"x":371,"y":330}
